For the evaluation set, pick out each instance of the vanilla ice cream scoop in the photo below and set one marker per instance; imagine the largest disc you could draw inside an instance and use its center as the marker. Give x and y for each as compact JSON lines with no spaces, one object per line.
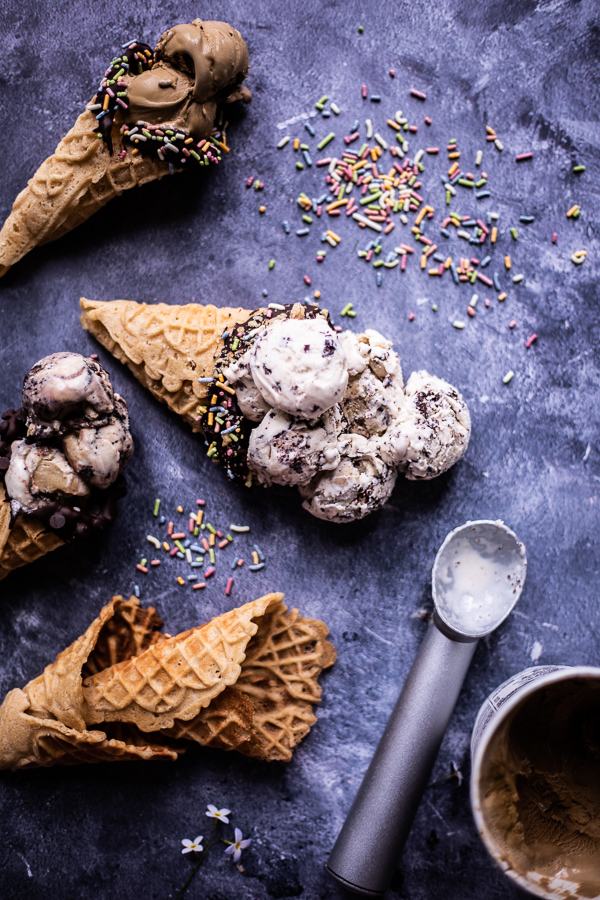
{"x":291,"y":451}
{"x":62,"y":388}
{"x":38,"y":474}
{"x":299,"y":367}
{"x":99,"y":454}
{"x":359,"y":485}
{"x":432,"y":430}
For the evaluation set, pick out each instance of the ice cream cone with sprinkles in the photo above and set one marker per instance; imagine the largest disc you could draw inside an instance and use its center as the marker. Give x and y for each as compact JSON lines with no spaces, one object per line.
{"x":155,"y":112}
{"x":171,"y":350}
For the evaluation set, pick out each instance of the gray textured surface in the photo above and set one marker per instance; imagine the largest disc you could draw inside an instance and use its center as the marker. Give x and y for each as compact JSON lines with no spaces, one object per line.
{"x":530,"y":69}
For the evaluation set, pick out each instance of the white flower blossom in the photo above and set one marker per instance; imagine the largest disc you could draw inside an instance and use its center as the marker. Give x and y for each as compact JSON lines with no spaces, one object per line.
{"x":194,"y":845}
{"x":220,"y":814}
{"x":457,"y":773}
{"x":238,"y":845}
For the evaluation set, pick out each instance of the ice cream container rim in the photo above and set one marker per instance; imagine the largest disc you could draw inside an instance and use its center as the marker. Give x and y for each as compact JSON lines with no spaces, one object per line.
{"x":562,"y":890}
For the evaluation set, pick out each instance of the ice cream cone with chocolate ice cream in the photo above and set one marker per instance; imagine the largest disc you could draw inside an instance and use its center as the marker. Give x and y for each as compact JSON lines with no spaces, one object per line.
{"x":155,"y":112}
{"x":282,"y":398}
{"x":62,"y":454}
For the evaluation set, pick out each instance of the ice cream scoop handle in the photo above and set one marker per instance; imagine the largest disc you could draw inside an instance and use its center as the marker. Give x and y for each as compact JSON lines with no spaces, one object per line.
{"x":366,"y":852}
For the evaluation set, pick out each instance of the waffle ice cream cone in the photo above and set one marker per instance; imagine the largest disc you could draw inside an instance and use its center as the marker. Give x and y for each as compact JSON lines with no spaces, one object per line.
{"x":234,"y":683}
{"x":168,"y":348}
{"x":25,"y":542}
{"x":71,"y":185}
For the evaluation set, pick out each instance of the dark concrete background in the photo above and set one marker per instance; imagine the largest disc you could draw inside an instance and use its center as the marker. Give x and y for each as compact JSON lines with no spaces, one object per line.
{"x":531,"y":70}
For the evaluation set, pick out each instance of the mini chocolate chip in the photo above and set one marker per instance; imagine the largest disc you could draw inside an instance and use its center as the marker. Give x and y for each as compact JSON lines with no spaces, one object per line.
{"x":57,"y":520}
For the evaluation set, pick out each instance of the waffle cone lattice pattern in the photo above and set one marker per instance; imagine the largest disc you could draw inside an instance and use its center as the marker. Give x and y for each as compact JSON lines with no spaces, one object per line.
{"x":247,"y":680}
{"x":168,"y":348}
{"x":71,"y":185}
{"x":25,"y":542}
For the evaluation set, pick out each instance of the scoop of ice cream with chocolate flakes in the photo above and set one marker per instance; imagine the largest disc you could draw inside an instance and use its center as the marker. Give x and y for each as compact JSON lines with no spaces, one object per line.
{"x":291,"y":451}
{"x":432,"y":431}
{"x":374,"y":394}
{"x":64,"y":391}
{"x":360,"y":484}
{"x":299,"y":367}
{"x":78,"y":435}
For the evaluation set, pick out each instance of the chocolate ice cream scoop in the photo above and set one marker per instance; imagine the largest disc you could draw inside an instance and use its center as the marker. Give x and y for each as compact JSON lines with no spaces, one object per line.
{"x":197,"y":66}
{"x":63,"y":390}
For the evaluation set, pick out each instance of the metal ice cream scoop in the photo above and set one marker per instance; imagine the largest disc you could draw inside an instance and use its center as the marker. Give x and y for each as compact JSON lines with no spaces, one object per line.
{"x":477,"y":578}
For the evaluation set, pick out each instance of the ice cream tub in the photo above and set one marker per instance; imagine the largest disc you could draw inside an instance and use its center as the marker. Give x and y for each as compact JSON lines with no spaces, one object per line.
{"x":535,"y":780}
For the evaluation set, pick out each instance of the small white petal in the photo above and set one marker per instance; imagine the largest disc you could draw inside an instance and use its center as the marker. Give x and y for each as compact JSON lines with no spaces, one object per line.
{"x":186,"y":842}
{"x":238,"y":835}
{"x":211,"y":810}
{"x":224,"y":812}
{"x":246,"y":843}
{"x":237,"y":854}
{"x":187,"y":850}
{"x":198,"y":839}
{"x":230,"y":849}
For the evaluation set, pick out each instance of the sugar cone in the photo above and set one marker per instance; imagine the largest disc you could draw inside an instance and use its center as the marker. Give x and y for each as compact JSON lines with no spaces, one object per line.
{"x":269,"y":709}
{"x":177,"y":677}
{"x":25,"y":542}
{"x":78,"y":179}
{"x":168,"y":348}
{"x":243,"y":684}
{"x":43,"y":724}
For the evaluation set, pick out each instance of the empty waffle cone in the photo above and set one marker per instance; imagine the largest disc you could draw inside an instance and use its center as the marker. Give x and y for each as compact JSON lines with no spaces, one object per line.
{"x":25,"y":542}
{"x":168,"y":348}
{"x":242,"y":684}
{"x":79,"y":178}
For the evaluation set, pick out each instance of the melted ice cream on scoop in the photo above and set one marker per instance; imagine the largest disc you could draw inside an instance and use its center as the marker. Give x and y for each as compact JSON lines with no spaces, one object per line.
{"x":299,"y":367}
{"x":478,"y":576}
{"x":62,"y":388}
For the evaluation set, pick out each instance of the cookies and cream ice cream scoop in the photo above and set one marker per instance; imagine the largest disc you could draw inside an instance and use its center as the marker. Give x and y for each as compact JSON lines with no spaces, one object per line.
{"x":477,"y":578}
{"x":299,"y":367}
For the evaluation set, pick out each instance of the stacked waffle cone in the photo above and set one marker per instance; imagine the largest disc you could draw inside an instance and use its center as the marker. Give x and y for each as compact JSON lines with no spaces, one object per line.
{"x":247,"y":680}
{"x":25,"y":542}
{"x":71,"y":185}
{"x":168,"y":348}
